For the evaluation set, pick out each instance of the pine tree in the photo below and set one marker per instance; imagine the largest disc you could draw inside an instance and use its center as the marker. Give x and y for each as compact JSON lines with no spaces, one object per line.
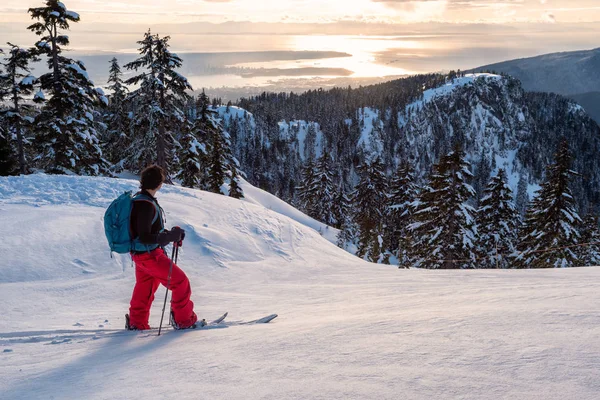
{"x":552,"y":222}
{"x":158,"y":101}
{"x":589,"y":252}
{"x":323,"y":190}
{"x":192,"y":156}
{"x":66,"y":134}
{"x":17,"y":86}
{"x":235,"y":190}
{"x":340,"y":208}
{"x":305,"y":191}
{"x":8,"y":161}
{"x":370,"y":202}
{"x":444,"y":231}
{"x":117,"y":139}
{"x":403,"y":192}
{"x":522,"y":199}
{"x":498,"y":222}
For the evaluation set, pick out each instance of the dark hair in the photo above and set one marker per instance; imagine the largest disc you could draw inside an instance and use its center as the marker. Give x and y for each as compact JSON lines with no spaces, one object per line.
{"x":152,"y":177}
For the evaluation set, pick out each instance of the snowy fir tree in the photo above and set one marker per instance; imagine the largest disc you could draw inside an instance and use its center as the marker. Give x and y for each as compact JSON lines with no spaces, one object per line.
{"x":589,"y":252}
{"x":158,"y":103}
{"x":192,"y":160}
{"x":218,"y":157}
{"x":403,"y":192}
{"x":117,"y":118}
{"x":498,"y":223}
{"x":370,"y":203}
{"x":341,"y":207}
{"x":17,"y":86}
{"x":323,"y":191}
{"x":235,"y":189}
{"x":444,"y":231}
{"x":522,"y":199}
{"x":552,"y":222}
{"x":66,"y":136}
{"x":305,"y":191}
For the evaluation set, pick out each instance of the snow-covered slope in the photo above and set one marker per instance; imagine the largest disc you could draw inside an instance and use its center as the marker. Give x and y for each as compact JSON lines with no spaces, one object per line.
{"x":346,"y":329}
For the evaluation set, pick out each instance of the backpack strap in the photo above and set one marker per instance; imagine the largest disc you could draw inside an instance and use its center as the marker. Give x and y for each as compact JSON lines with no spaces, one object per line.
{"x":157,"y":209}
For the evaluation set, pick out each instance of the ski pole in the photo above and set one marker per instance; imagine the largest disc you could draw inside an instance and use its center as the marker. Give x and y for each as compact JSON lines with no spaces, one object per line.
{"x":174,"y":254}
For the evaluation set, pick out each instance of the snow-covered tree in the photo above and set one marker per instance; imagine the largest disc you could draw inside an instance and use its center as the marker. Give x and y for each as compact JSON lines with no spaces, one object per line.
{"x":403,"y":192}
{"x":370,"y":203}
{"x":235,"y":189}
{"x":552,"y":222}
{"x":323,"y":190}
{"x":158,"y":102}
{"x":305,"y":190}
{"x":522,"y":199}
{"x":192,"y":160}
{"x":17,"y":86}
{"x":117,"y":139}
{"x":67,"y":139}
{"x":589,"y":252}
{"x":340,"y":208}
{"x":444,"y":231}
{"x":498,"y":222}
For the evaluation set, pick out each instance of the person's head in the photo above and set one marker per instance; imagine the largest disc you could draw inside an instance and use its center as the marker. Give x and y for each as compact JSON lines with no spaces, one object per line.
{"x":152,"y":178}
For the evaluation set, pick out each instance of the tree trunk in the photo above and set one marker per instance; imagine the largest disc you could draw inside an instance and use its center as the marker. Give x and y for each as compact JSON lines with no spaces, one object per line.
{"x":22,"y":167}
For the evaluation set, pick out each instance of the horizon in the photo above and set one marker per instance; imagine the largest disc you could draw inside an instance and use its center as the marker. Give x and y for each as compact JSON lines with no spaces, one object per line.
{"x":240,"y":45}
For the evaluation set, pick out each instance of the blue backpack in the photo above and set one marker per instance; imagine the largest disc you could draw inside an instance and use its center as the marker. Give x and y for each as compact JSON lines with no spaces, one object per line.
{"x":117,"y":224}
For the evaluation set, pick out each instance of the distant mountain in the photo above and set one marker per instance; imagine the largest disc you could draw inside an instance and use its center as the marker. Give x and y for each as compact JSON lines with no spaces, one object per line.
{"x":568,"y":73}
{"x":498,"y":123}
{"x":590,"y":102}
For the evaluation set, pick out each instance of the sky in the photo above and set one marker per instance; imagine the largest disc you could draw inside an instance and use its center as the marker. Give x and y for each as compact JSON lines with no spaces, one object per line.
{"x":356,"y":38}
{"x":391,"y":11}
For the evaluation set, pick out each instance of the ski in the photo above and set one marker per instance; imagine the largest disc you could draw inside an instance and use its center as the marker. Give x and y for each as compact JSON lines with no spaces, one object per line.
{"x":263,"y":320}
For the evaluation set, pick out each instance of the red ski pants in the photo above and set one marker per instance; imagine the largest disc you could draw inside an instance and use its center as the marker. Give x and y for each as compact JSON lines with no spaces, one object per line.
{"x":152,"y":269}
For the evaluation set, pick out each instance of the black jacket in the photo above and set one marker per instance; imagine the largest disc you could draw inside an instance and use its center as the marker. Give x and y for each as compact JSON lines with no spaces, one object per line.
{"x":142,"y":227}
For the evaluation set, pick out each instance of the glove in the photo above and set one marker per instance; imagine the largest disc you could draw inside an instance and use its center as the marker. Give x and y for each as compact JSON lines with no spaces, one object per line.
{"x":178,"y":236}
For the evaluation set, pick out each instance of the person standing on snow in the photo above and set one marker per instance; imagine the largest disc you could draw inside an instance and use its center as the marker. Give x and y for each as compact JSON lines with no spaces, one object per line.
{"x":152,"y":266}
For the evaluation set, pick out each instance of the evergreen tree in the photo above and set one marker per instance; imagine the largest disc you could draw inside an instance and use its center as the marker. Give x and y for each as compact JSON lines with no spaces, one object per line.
{"x":117,"y":138}
{"x":66,"y":134}
{"x":444,"y":231}
{"x":305,"y":191}
{"x":340,"y":208}
{"x":483,"y":172}
{"x":370,"y":202}
{"x":403,"y":192}
{"x":192,"y":156}
{"x":8,"y":161}
{"x":159,"y":102}
{"x":323,"y":191}
{"x":218,"y":157}
{"x":552,"y":222}
{"x":17,"y":86}
{"x":498,"y":222}
{"x":589,"y":252}
{"x":522,"y":199}
{"x":235,"y":190}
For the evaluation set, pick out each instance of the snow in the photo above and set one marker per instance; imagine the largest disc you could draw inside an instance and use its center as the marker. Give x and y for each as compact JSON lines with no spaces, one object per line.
{"x":299,"y":130}
{"x":75,"y":67}
{"x":371,"y":132}
{"x":448,"y":88}
{"x":347,"y":329}
{"x":40,"y":95}
{"x":72,"y":14}
{"x":28,"y":80}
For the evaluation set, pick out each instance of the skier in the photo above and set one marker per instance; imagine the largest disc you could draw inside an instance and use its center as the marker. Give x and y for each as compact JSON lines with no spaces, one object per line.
{"x":152,"y":265}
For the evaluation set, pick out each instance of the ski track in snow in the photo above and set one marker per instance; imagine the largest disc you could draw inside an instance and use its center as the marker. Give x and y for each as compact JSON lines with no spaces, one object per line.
{"x":346,"y":329}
